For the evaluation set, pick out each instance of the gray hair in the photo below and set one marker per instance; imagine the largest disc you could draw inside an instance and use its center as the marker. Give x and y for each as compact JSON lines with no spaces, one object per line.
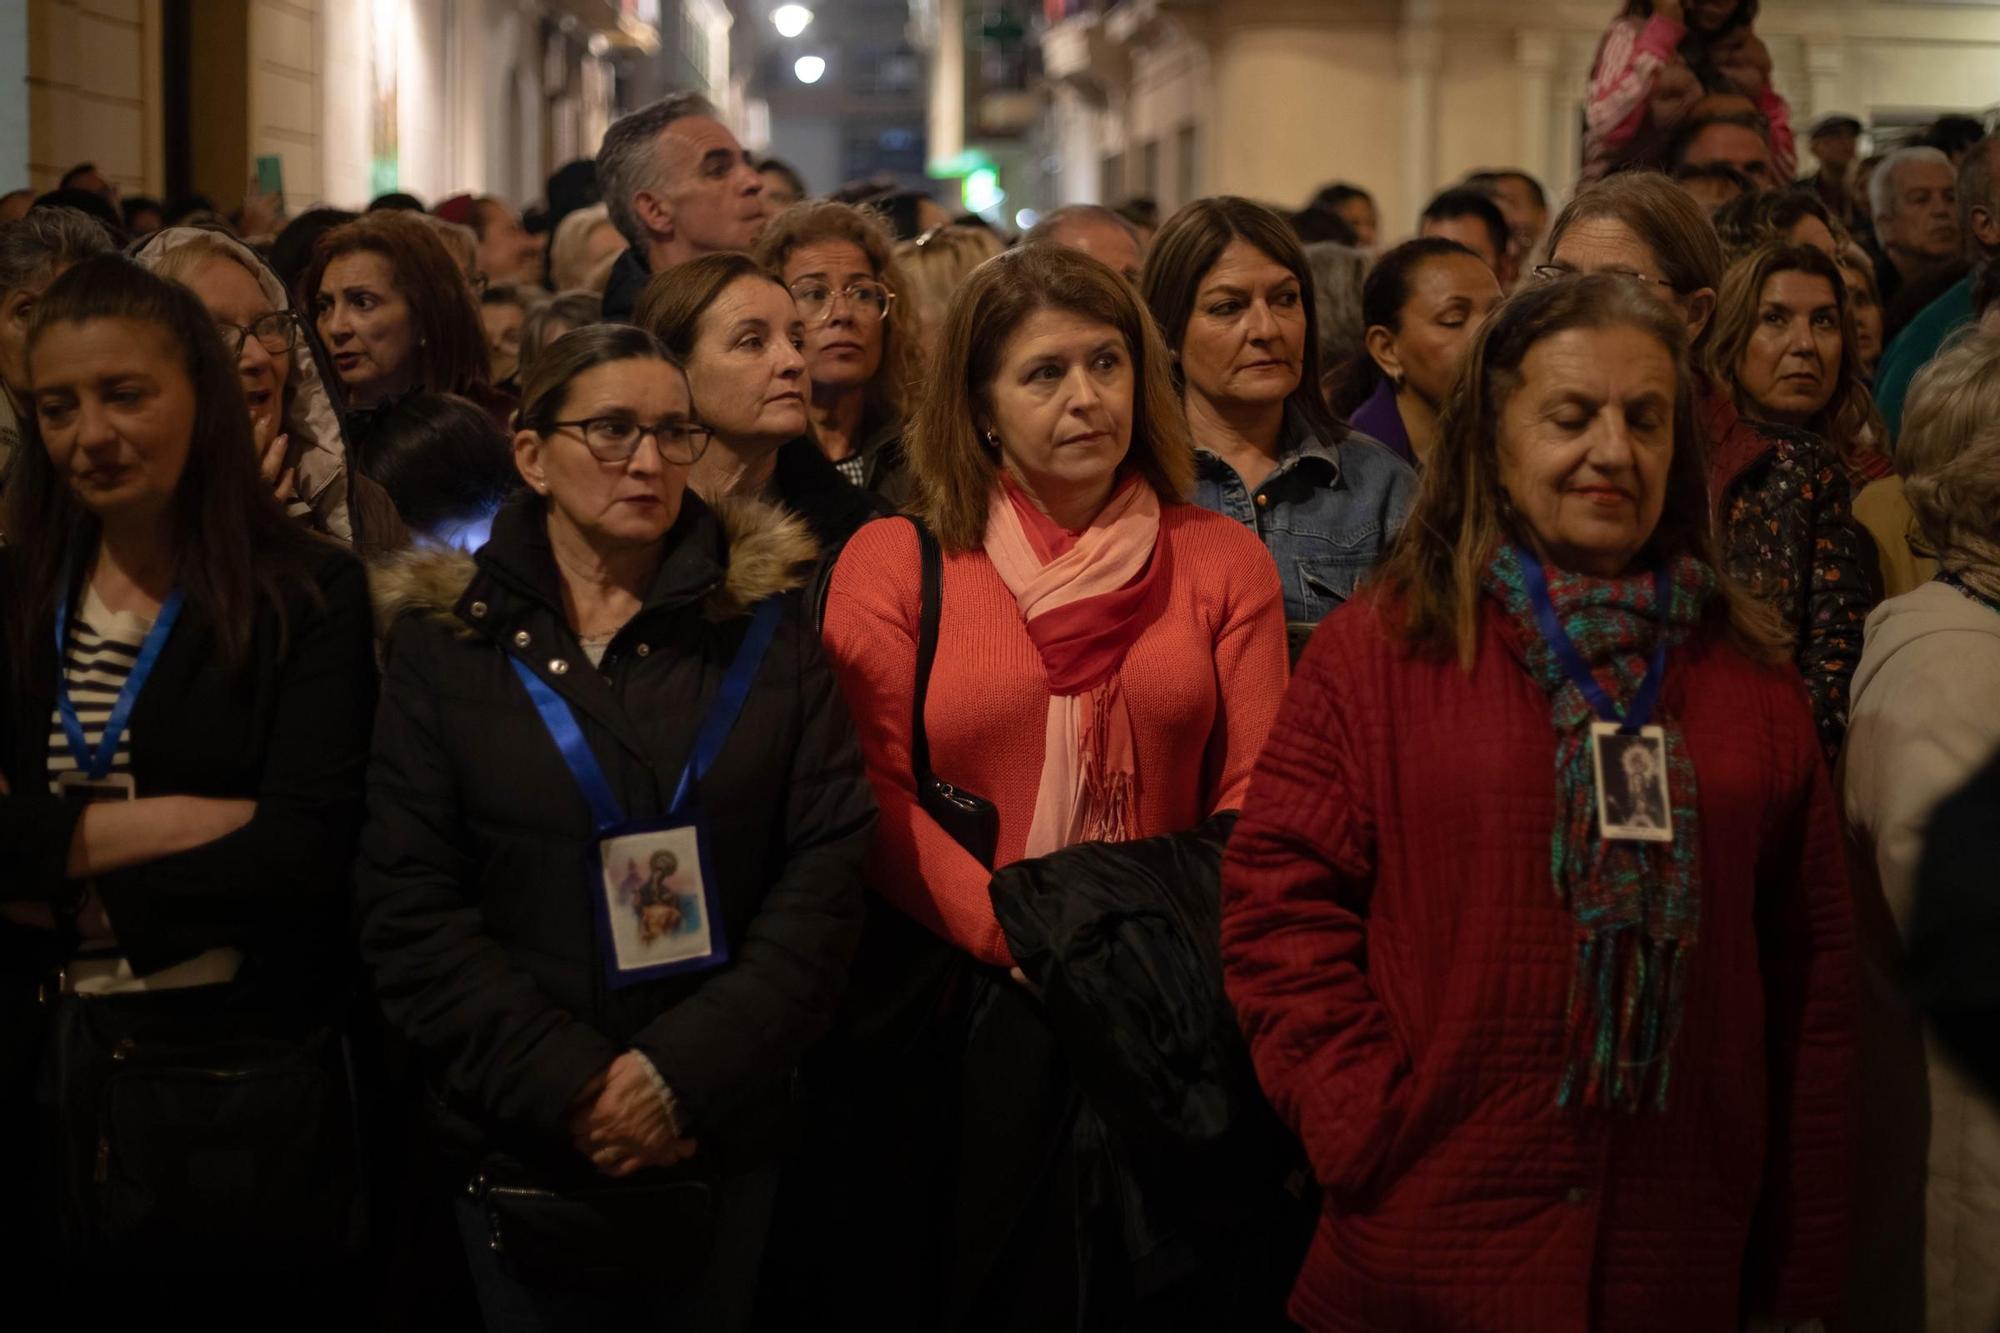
{"x":1882,"y":188}
{"x":33,"y":247}
{"x":628,"y":161}
{"x":1976,"y":182}
{"x":1045,"y":230}
{"x":1338,"y":272}
{"x":1949,"y":457}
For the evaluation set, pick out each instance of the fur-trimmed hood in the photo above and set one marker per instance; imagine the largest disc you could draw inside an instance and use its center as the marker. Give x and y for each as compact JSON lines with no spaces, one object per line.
{"x":770,"y":551}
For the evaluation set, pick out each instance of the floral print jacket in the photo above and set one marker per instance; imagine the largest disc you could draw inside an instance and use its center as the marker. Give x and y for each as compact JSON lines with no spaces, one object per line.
{"x":1782,"y":511}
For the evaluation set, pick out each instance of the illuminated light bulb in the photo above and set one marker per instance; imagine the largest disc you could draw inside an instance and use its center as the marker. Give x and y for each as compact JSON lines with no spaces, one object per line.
{"x":809,"y":68}
{"x":791,"y":20}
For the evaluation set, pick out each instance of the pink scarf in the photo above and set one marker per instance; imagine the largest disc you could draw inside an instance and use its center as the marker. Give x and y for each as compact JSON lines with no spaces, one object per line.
{"x":1082,"y":596}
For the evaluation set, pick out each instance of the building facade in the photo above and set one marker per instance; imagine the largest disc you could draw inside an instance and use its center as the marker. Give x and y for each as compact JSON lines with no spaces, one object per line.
{"x":352,"y":97}
{"x":1269,"y":98}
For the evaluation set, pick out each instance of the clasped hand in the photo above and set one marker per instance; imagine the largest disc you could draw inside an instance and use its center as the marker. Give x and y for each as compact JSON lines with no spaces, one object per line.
{"x":619,"y":1121}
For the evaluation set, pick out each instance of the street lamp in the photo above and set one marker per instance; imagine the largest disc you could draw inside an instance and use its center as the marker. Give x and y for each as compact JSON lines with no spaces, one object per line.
{"x":809,"y":68}
{"x":791,"y":20}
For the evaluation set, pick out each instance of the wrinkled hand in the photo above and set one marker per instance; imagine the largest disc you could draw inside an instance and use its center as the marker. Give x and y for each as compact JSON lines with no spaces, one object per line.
{"x":271,"y":445}
{"x":625,"y":1127}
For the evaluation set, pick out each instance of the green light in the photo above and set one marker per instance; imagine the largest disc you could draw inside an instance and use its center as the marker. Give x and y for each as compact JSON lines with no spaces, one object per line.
{"x":982,"y":189}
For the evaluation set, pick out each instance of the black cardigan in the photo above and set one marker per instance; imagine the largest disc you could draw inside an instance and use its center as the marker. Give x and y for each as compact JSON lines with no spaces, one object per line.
{"x":289,"y":730}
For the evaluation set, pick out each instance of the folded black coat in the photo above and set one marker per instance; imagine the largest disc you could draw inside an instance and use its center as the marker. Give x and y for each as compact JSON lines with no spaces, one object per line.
{"x":1186,"y":1169}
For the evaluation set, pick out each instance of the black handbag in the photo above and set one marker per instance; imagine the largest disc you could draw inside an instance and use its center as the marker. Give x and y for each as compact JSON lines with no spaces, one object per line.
{"x":189,"y":1137}
{"x":596,"y":1234}
{"x":972,"y":821}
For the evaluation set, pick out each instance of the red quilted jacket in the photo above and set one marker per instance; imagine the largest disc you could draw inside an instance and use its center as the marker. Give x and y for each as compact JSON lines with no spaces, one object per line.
{"x":1399,"y":959}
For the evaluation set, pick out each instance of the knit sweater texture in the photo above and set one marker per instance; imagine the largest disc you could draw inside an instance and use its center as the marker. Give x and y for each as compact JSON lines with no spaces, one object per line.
{"x":1203,"y":680}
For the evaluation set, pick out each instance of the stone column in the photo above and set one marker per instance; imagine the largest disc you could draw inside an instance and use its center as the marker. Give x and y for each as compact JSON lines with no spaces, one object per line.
{"x":1422,"y":49}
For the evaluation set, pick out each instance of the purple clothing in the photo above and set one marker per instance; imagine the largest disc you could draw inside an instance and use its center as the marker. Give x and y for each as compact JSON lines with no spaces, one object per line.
{"x":1380,"y":418}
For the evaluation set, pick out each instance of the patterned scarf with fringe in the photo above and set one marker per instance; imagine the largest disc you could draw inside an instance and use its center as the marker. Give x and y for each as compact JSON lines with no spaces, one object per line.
{"x":1636,"y":905}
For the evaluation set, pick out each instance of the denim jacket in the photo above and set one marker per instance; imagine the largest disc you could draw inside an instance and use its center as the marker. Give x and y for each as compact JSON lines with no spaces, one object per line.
{"x":1326,"y":514}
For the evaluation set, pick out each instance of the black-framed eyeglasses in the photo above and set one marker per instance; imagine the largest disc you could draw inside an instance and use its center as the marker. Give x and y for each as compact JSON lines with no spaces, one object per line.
{"x":616,"y":439}
{"x":1551,"y":272}
{"x":868,"y":300}
{"x":278,"y":331}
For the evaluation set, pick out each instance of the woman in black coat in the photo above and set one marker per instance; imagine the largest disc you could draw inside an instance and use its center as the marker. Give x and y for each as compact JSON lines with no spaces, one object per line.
{"x":601,"y":1024}
{"x":176,"y":891}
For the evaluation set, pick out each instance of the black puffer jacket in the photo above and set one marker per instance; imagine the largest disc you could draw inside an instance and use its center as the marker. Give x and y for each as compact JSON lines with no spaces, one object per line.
{"x":475,"y":918}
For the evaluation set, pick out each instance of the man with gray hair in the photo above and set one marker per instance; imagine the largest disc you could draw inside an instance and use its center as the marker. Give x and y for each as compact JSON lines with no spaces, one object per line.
{"x":1914,"y":201}
{"x":35,"y":250}
{"x":677,"y":185}
{"x":1933,"y":327}
{"x":1097,"y":232}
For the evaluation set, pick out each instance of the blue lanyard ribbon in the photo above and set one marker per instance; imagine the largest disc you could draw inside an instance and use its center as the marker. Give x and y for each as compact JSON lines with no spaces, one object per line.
{"x":96,"y":764}
{"x":1573,"y":665}
{"x":605,"y":810}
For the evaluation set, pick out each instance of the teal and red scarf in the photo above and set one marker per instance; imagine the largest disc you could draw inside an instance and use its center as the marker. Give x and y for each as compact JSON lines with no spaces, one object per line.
{"x":1636,"y":905}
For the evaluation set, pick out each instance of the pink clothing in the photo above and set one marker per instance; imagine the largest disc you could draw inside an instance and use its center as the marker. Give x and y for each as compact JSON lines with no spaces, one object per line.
{"x":1619,"y":126}
{"x":1202,"y":680}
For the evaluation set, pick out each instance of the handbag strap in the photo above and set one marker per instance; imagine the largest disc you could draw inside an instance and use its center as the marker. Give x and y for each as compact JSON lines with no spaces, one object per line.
{"x":930,"y":606}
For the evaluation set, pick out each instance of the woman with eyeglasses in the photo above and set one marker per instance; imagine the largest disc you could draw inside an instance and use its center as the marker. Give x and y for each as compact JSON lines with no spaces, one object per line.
{"x":739,"y":332}
{"x":611,"y":877}
{"x":1779,"y":496}
{"x":864,"y":363}
{"x":301,"y":447}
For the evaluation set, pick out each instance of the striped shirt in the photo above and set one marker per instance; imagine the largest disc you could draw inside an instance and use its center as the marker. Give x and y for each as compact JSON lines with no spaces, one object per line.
{"x":103,"y":645}
{"x":97,"y":661}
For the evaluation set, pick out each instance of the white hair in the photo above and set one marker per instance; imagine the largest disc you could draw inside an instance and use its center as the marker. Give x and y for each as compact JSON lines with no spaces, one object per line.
{"x":1882,"y":189}
{"x":1949,"y":456}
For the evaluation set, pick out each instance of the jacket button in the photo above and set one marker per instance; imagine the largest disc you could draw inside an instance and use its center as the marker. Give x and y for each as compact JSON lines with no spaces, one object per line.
{"x":478,"y":610}
{"x":1577,"y":1194}
{"x":557,"y":666}
{"x":521,"y":639}
{"x":644,"y":649}
{"x":1263,"y":502}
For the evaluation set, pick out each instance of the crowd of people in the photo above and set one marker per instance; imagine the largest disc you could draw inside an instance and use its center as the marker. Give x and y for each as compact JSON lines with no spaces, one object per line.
{"x":523,"y":799}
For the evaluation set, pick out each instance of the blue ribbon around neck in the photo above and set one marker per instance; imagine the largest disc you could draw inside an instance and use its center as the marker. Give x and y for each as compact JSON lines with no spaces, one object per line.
{"x":96,"y":764}
{"x":1573,"y":665}
{"x":605,"y":810}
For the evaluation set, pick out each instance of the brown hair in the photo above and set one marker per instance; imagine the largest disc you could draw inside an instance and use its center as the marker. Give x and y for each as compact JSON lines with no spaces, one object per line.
{"x":1661,"y":214}
{"x":1188,"y":246}
{"x":675,"y":299}
{"x":546,"y":387}
{"x":234,"y":549}
{"x":1849,"y":416}
{"x":954,"y":468}
{"x":893,"y":391}
{"x":1462,"y":514}
{"x":450,"y":351}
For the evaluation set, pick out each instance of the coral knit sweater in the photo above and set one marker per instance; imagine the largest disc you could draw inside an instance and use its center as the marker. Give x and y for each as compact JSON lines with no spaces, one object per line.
{"x":1203,"y":680}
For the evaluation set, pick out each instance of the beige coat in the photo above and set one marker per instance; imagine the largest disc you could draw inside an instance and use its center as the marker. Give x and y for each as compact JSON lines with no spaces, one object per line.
{"x":1924,"y":717}
{"x":1882,"y":510}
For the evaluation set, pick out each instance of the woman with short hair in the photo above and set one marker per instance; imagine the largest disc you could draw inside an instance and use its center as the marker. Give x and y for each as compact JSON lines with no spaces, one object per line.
{"x":863,"y":355}
{"x":610,"y":881}
{"x":1560,"y":1066}
{"x":1780,"y":497}
{"x":395,"y":316}
{"x":1925,"y":719}
{"x":738,"y":330}
{"x":1107,"y":658}
{"x":1421,"y":306}
{"x":1228,"y":285}
{"x":301,"y":444}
